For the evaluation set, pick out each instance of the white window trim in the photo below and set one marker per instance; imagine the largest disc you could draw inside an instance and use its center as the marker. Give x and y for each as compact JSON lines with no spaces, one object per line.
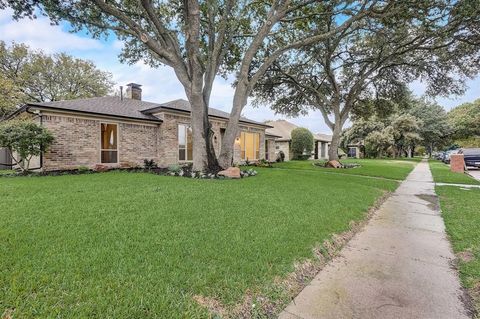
{"x":118,"y":144}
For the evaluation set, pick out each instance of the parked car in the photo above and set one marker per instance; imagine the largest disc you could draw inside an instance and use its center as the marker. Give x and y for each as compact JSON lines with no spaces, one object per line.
{"x":438,"y":155}
{"x":471,"y":156}
{"x":446,"y":158}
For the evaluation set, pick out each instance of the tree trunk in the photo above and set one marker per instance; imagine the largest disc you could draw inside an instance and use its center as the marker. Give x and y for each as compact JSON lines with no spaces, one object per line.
{"x":225,"y":159}
{"x":333,"y":149}
{"x":203,"y":151}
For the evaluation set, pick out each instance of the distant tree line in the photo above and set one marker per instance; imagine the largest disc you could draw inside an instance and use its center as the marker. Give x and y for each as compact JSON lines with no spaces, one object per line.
{"x":28,"y":75}
{"x":412,"y":125}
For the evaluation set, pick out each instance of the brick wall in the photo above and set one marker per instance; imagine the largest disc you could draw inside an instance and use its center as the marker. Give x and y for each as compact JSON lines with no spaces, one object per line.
{"x":272,"y":157}
{"x":283,"y":146}
{"x":457,"y":163}
{"x":168,"y":144}
{"x":77,"y":142}
{"x":138,"y":142}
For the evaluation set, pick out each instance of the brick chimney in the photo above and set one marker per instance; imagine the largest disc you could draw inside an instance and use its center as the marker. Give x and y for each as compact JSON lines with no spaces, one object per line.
{"x":134,"y":91}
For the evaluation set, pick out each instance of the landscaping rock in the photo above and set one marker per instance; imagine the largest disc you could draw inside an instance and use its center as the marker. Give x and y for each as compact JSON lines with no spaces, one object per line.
{"x":231,"y":172}
{"x":334,"y":164}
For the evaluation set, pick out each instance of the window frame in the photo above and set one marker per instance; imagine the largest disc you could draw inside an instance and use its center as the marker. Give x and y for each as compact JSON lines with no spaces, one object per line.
{"x":110,"y":150}
{"x":256,"y":148}
{"x":186,"y":126}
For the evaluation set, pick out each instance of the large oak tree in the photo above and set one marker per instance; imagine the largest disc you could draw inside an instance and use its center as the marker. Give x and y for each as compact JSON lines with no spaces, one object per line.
{"x":203,"y":39}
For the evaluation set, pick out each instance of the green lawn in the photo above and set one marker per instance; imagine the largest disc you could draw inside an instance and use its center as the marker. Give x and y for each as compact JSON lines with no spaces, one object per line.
{"x":387,"y":168}
{"x":460,"y":210}
{"x":442,"y":174}
{"x":135,"y":245}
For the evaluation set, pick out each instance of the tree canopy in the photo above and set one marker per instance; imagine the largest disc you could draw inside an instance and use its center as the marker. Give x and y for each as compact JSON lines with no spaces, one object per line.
{"x":203,"y":39}
{"x":409,"y":123}
{"x":33,"y":76}
{"x":434,"y":41}
{"x":434,"y":130}
{"x":465,"y":120}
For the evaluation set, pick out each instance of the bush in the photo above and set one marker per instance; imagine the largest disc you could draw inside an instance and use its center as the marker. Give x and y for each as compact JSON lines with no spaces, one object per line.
{"x":83,"y":169}
{"x":149,"y":164}
{"x":174,"y":169}
{"x":24,"y":139}
{"x":280,"y":157}
{"x":302,"y":143}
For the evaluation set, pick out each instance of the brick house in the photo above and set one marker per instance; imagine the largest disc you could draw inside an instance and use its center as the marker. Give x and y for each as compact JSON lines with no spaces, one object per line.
{"x":282,"y":130}
{"x":122,"y":132}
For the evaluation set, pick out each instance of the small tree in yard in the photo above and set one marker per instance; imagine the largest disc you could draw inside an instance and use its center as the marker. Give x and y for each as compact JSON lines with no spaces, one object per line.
{"x":302,"y":143}
{"x":24,"y":139}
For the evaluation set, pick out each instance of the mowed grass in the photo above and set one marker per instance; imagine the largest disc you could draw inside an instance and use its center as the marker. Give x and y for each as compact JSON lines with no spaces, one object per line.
{"x":461,"y":212}
{"x":442,"y":174}
{"x":387,"y":168}
{"x":136,"y":245}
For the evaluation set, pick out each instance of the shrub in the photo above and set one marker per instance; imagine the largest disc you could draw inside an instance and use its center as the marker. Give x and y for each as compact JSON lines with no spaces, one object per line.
{"x":149,"y":164}
{"x":263,"y":163}
{"x":302,"y":143}
{"x":83,"y":169}
{"x":174,"y":169}
{"x":280,"y":157}
{"x":24,"y":139}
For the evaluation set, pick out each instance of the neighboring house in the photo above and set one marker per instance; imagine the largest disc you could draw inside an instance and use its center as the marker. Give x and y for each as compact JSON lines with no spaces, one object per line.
{"x":282,"y":130}
{"x":122,"y":132}
{"x":5,"y":159}
{"x":355,"y":150}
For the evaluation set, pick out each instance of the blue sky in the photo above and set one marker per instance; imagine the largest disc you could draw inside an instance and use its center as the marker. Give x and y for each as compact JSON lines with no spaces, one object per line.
{"x":159,"y":85}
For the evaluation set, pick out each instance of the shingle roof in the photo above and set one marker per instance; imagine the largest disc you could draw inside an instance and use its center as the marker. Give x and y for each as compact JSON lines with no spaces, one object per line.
{"x":284,"y":129}
{"x":129,"y":108}
{"x":184,"y":105}
{"x":281,"y":128}
{"x":108,"y":105}
{"x":323,"y":137}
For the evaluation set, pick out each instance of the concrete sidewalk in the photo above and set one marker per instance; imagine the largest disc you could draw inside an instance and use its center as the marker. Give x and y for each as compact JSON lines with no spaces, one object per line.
{"x":397,"y":267}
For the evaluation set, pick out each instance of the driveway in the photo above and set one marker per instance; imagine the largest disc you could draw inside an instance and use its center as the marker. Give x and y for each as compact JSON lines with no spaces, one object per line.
{"x":399,"y":266}
{"x":474,"y":172}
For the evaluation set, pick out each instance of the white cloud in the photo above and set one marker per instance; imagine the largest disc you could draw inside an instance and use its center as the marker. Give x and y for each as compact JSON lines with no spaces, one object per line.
{"x":40,"y":34}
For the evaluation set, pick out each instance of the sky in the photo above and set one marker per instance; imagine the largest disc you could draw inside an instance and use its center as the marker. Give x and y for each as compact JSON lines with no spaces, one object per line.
{"x":161,"y":85}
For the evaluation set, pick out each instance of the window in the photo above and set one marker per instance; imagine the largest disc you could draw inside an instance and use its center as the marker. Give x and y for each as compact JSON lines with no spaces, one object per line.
{"x":109,"y":146}
{"x":250,"y":146}
{"x":352,"y":152}
{"x":185,"y":143}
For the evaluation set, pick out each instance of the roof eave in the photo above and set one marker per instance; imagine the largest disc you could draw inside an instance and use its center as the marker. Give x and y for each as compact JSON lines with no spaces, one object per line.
{"x":90,"y":113}
{"x":159,"y":108}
